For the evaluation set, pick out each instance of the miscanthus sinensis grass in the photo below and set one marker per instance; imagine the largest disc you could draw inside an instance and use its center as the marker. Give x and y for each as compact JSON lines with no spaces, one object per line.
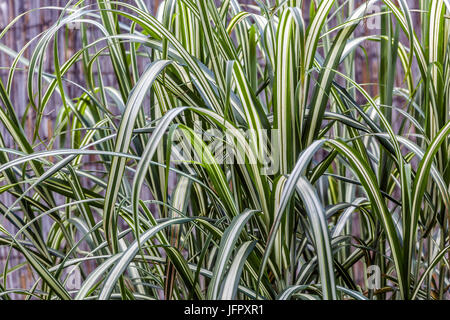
{"x":298,"y":185}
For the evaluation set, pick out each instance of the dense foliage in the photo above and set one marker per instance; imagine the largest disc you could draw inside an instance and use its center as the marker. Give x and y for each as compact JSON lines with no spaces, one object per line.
{"x":297,"y":183}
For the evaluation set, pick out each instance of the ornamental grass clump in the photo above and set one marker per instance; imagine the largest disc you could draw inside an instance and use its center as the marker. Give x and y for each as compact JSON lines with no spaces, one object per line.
{"x":236,"y":155}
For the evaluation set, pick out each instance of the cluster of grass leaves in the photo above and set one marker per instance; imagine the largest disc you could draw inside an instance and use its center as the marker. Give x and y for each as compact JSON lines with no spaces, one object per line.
{"x":350,"y":191}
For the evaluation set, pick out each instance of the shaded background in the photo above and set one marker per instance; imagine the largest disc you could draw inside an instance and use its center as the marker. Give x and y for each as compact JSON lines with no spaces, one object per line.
{"x":31,"y":25}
